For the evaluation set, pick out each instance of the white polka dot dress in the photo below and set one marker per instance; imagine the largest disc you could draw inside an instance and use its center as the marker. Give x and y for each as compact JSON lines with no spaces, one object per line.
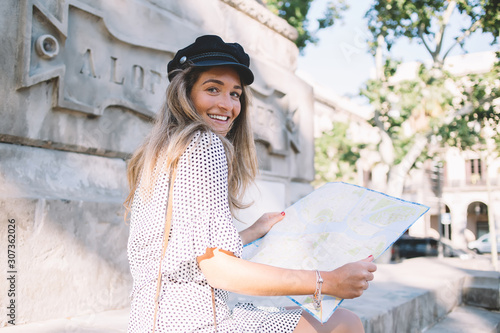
{"x":201,"y":219}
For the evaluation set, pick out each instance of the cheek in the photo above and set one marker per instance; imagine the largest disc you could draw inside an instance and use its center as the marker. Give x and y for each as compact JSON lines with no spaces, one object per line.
{"x":199,"y":105}
{"x":237,"y":109}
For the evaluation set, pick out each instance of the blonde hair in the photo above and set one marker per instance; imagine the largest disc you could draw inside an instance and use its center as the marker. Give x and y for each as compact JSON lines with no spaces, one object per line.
{"x":174,"y":127}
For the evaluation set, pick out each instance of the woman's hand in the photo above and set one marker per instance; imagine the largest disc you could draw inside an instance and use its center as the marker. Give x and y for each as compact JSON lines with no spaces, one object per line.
{"x":350,"y":280}
{"x":261,"y":227}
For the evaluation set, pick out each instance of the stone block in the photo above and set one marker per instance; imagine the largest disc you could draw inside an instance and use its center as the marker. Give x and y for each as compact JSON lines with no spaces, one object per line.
{"x":30,"y":172}
{"x":427,"y":314}
{"x":448,"y":296}
{"x":70,"y":258}
{"x":70,"y":242}
{"x":482,"y":289}
{"x":408,"y":297}
{"x":465,"y":319}
{"x":297,"y":191}
{"x":265,"y":196}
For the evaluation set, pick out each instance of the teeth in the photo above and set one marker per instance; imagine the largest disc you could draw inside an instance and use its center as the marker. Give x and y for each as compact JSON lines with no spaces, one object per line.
{"x":218,"y":117}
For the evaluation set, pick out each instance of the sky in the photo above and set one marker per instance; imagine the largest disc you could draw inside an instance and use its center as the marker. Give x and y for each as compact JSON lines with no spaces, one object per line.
{"x":340,"y":61}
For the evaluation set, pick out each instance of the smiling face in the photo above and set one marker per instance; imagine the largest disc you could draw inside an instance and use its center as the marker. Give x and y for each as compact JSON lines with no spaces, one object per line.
{"x":216,"y":97}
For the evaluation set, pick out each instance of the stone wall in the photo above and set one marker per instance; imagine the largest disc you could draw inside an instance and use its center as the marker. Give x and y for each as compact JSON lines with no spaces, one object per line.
{"x":81,"y":80}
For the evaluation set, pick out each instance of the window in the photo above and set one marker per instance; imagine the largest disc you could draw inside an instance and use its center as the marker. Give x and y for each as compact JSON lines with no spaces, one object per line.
{"x":475,"y":172}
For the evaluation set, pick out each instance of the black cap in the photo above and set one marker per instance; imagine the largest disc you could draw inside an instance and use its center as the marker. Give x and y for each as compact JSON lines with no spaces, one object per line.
{"x":211,"y":50}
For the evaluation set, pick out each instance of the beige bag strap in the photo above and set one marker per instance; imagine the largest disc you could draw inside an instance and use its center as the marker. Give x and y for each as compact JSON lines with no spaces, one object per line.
{"x":166,"y":232}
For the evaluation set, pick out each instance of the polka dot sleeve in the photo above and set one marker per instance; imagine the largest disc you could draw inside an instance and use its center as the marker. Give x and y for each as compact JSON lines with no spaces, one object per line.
{"x":201,"y":217}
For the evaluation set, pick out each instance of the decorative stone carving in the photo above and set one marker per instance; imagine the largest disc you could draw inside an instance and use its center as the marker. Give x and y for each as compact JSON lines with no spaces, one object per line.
{"x":47,"y":47}
{"x":274,"y":122}
{"x":258,"y":12}
{"x":95,"y":67}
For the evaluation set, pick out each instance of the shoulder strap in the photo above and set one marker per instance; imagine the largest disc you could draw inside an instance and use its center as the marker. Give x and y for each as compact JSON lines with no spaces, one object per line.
{"x":166,"y":232}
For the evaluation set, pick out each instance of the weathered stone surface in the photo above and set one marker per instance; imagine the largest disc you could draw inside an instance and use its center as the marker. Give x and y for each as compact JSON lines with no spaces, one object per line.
{"x":113,"y":321}
{"x":261,"y":14}
{"x":466,"y":319}
{"x":70,"y":257}
{"x":265,"y":196}
{"x":28,"y":172}
{"x":482,"y":289}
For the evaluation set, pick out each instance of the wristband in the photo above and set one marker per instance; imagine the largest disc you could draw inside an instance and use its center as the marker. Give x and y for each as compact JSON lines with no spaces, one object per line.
{"x":317,"y":293}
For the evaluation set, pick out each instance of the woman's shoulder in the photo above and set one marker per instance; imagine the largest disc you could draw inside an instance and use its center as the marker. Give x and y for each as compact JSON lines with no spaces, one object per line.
{"x":207,"y":135}
{"x":205,"y":139}
{"x":206,"y":148}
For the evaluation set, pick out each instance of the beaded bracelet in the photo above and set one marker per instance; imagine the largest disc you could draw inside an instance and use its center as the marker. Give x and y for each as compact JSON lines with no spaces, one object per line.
{"x":317,"y":293}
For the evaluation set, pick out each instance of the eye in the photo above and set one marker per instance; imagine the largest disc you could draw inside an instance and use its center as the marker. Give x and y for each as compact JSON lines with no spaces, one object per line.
{"x":236,"y":94}
{"x":213,"y":90}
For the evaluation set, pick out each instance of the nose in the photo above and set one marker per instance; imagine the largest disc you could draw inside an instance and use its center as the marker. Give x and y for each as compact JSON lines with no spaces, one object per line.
{"x":225,"y":102}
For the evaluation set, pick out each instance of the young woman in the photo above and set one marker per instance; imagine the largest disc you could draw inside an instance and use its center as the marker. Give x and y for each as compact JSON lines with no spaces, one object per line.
{"x":186,"y":179}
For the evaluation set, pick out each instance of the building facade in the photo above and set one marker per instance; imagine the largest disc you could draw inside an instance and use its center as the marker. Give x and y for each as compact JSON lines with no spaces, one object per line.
{"x":470,"y":196}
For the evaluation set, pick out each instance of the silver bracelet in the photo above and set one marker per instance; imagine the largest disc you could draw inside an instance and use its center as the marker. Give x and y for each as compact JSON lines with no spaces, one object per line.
{"x":317,"y":293}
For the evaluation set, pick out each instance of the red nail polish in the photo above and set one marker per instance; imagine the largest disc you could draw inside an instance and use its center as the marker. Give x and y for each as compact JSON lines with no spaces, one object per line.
{"x":282,"y":213}
{"x":370,"y":256}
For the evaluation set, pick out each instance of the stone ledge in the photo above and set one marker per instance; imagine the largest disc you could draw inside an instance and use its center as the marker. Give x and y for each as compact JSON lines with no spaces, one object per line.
{"x":482,"y":289}
{"x":258,"y":12}
{"x":60,"y":175}
{"x":71,"y":258}
{"x":113,"y":321}
{"x":465,"y":319}
{"x":415,"y":294}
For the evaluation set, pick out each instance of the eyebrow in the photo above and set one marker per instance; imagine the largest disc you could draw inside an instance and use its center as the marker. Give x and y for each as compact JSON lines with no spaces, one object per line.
{"x":221,"y":83}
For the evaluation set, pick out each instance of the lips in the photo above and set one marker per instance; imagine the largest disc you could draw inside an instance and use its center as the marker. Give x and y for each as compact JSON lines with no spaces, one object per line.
{"x":216,"y":117}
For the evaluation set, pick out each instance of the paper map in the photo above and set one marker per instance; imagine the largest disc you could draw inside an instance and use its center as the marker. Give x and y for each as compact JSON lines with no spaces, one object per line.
{"x":334,"y":225}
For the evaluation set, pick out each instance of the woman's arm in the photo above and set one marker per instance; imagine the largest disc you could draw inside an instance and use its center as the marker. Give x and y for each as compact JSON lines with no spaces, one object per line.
{"x":261,"y":227}
{"x":224,"y":271}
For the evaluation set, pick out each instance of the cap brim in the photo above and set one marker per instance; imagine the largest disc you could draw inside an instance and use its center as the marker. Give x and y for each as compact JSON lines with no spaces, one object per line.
{"x":246,"y":74}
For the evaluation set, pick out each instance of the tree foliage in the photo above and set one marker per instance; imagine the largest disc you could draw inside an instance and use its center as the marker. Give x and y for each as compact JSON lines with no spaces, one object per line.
{"x":452,"y":110}
{"x":427,"y":21}
{"x":295,"y":13}
{"x":480,"y":104}
{"x":442,"y":108}
{"x":434,"y":107}
{"x":336,"y":155}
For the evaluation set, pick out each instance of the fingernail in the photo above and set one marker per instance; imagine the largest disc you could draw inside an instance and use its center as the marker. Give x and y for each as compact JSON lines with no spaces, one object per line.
{"x":370,"y":256}
{"x":282,"y":213}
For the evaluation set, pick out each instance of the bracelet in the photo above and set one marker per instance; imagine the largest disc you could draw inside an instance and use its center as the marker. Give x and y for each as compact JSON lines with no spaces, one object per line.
{"x":317,"y":293}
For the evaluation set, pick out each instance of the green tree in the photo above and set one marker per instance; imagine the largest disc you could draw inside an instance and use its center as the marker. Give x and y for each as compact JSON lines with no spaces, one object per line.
{"x":336,"y":155}
{"x":295,"y":13}
{"x":434,"y":107}
{"x":427,"y":21}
